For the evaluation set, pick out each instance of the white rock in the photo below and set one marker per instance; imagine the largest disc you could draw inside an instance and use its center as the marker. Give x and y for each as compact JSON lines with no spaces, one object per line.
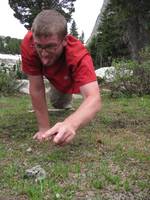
{"x":105,"y":72}
{"x":29,"y":150}
{"x":10,"y":57}
{"x":24,"y":86}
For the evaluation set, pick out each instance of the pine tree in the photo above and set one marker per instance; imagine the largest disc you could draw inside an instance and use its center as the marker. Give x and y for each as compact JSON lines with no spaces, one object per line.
{"x":26,"y":10}
{"x":124,"y":30}
{"x":92,"y":47}
{"x":73,"y":29}
{"x":81,"y":38}
{"x":110,"y":44}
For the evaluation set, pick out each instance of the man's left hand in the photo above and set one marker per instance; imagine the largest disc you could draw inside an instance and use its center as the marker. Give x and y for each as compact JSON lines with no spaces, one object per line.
{"x":61,"y":134}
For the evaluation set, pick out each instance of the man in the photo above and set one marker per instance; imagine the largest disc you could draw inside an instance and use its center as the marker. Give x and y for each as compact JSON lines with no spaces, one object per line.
{"x":47,"y":51}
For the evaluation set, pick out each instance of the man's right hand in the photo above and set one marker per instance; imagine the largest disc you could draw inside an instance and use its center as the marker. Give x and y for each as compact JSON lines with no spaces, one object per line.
{"x":39,"y":134}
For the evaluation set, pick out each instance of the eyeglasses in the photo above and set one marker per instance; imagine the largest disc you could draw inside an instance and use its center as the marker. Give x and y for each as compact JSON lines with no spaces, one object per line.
{"x":48,"y":47}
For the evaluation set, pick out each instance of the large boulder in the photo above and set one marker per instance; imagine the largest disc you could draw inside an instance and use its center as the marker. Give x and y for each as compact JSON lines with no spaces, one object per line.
{"x":105,"y":73}
{"x":24,"y":86}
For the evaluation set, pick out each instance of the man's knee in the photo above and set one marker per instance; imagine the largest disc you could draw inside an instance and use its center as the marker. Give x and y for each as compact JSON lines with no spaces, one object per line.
{"x":62,"y":102}
{"x":59,"y":99}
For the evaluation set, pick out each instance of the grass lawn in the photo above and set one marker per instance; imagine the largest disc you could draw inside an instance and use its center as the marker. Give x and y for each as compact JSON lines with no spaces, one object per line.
{"x":108,"y":160}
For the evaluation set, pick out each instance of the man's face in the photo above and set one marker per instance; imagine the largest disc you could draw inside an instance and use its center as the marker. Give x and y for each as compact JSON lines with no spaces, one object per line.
{"x":49,"y":48}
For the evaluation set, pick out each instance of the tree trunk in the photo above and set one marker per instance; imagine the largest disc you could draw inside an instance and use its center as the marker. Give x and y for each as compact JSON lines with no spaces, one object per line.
{"x":137,"y":36}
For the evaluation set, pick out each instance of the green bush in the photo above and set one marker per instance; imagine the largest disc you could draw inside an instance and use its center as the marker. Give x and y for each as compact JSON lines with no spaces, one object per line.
{"x":130,"y":77}
{"x":8,"y":83}
{"x":13,"y":68}
{"x":19,"y":74}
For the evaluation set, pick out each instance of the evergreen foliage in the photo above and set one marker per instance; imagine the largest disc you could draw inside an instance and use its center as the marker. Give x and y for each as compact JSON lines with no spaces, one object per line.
{"x":73,"y":29}
{"x":92,"y":47}
{"x":135,"y":18}
{"x":8,"y":83}
{"x":26,"y":10}
{"x":81,"y":37}
{"x":124,"y":30}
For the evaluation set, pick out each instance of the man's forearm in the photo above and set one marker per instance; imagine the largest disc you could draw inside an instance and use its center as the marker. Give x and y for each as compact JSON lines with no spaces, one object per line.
{"x":63,"y":132}
{"x":87,"y":110}
{"x":40,"y":108}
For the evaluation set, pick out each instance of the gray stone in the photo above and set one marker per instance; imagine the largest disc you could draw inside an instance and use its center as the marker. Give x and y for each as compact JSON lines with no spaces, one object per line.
{"x":98,"y":21}
{"x":37,"y":173}
{"x":29,"y":150}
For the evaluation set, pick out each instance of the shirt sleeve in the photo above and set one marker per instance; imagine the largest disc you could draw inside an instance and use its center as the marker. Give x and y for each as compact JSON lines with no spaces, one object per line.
{"x":84,"y":73}
{"x":30,"y":62}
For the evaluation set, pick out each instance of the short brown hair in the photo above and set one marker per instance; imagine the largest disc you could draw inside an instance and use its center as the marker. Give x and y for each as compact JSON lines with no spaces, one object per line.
{"x":49,"y":22}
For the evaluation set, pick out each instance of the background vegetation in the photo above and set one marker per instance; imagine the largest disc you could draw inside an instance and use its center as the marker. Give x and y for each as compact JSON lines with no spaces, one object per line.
{"x":129,"y":77}
{"x":9,"y":45}
{"x":124,"y":30}
{"x":26,"y":10}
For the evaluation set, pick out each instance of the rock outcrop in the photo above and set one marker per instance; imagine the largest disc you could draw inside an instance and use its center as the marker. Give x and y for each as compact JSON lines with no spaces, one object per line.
{"x":98,"y":21}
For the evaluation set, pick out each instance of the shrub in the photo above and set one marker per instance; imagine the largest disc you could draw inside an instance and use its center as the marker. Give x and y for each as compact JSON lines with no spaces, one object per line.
{"x":19,"y":74}
{"x":13,"y":68}
{"x":8,"y":83}
{"x":130,"y":77}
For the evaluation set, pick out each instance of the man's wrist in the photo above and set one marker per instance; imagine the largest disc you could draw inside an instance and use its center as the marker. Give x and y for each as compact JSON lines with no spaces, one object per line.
{"x":71,"y":124}
{"x":44,"y":128}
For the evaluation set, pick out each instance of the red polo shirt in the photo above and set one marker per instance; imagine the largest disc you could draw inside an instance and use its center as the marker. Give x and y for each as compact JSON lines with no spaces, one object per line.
{"x":69,"y":73}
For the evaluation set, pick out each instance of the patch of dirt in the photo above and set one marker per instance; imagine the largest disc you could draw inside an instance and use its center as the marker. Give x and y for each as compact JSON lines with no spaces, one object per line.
{"x":137,"y":195}
{"x":5,"y":105}
{"x":82,"y":196}
{"x":124,"y":123}
{"x":19,"y":197}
